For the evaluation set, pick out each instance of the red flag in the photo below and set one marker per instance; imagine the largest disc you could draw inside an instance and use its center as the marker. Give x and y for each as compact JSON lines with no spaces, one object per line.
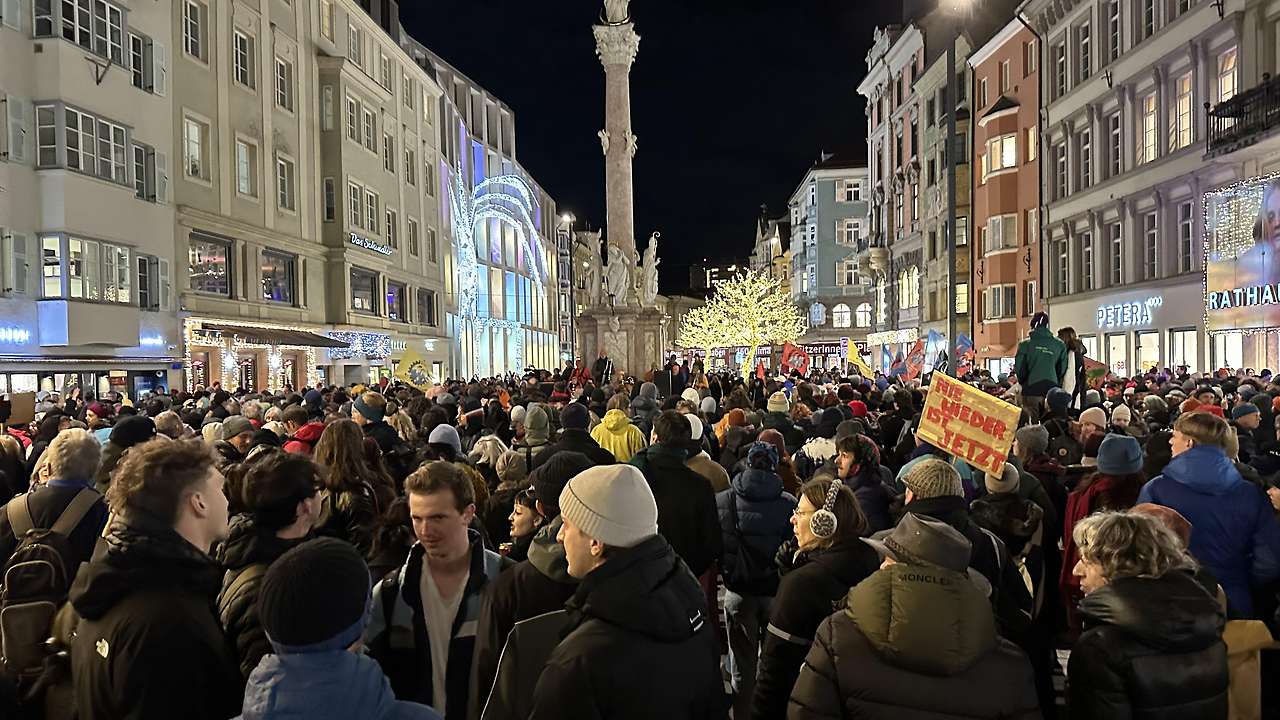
{"x":760,"y":369}
{"x":794,"y":358}
{"x":915,"y":361}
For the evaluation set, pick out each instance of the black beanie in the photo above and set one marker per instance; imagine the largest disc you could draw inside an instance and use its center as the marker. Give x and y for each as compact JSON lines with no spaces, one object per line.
{"x":314,"y":598}
{"x":133,"y":430}
{"x":549,"y":478}
{"x":575,"y":416}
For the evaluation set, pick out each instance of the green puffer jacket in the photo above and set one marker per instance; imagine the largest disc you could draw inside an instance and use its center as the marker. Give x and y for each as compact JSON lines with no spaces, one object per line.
{"x":1040,"y":363}
{"x":914,"y":641}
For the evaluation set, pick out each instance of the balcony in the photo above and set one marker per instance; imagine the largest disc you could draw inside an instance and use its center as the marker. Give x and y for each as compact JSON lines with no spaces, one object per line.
{"x":1244,"y":120}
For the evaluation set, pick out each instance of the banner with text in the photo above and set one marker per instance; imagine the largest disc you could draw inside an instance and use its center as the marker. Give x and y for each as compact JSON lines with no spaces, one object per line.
{"x":968,"y":423}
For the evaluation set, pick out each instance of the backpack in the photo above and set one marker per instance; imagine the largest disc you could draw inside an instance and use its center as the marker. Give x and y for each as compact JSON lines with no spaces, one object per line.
{"x":1066,"y":449}
{"x":751,"y":572}
{"x":35,"y":583}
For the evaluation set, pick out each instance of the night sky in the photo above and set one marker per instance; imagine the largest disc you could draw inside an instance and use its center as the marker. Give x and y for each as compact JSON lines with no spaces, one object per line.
{"x":732,"y":100}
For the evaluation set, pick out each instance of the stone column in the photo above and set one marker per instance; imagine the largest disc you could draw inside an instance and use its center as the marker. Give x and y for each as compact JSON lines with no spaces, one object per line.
{"x":616,"y":46}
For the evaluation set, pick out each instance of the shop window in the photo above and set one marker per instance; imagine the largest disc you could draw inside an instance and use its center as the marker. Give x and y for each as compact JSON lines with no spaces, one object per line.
{"x":1228,"y":350}
{"x":1118,"y":353}
{"x":397,"y":302}
{"x":1184,"y":349}
{"x":209,"y":266}
{"x":1148,"y":350}
{"x":364,"y":291}
{"x":278,"y":277}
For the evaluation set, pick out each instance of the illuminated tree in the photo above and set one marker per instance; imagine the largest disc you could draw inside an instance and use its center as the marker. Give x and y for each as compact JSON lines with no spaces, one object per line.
{"x":702,"y":328}
{"x":756,"y":310}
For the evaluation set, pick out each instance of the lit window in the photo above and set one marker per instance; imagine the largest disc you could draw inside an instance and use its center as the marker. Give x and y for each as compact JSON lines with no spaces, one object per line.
{"x":1183,"y":126}
{"x":246,"y":169}
{"x":209,"y":266}
{"x":355,"y":204}
{"x":1186,"y":236}
{"x":1227,"y":75}
{"x":194,"y":142}
{"x":841,"y":316}
{"x":1149,"y":129}
{"x":1002,"y":153}
{"x":278,"y":272}
{"x":862,"y":315}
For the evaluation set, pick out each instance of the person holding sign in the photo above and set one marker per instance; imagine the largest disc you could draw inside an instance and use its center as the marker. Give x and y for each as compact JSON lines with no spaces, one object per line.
{"x":1040,"y":364}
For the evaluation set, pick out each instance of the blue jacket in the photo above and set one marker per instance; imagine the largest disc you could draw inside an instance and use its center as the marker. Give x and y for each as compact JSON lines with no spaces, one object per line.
{"x":333,"y":684}
{"x":764,"y":522}
{"x":1233,"y":527}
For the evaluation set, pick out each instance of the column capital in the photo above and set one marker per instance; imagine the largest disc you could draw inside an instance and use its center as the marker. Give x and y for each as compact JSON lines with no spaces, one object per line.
{"x":616,"y":44}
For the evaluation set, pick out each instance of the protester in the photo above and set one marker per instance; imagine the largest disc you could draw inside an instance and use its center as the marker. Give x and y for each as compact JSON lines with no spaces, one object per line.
{"x":525,"y":521}
{"x":699,"y":461}
{"x":303,"y":431}
{"x":616,"y":434}
{"x":349,"y":505}
{"x":149,"y":643}
{"x":858,"y":466}
{"x":368,"y":411}
{"x":1040,"y":364}
{"x":574,"y":419}
{"x":126,"y":433}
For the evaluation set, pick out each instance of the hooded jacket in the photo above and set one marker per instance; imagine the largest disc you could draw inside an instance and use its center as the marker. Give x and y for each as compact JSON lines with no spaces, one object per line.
{"x":645,"y":405}
{"x":1152,"y":648}
{"x":914,"y":641}
{"x":246,"y":545}
{"x":532,"y":588}
{"x":1040,"y":362}
{"x":616,"y":434}
{"x":811,"y":585}
{"x":639,"y":615}
{"x":1233,"y":527}
{"x":149,"y":644}
{"x":763,"y":513}
{"x":686,"y":506}
{"x":336,"y":684}
{"x":304,"y":441}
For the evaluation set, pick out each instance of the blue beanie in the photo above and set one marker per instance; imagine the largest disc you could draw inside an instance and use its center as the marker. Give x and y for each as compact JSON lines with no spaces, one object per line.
{"x":1243,"y":409}
{"x":369,"y":413}
{"x":1119,"y":455}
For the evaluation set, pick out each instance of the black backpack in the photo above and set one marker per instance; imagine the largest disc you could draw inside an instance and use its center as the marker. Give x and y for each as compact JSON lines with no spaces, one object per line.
{"x":1063,"y":446}
{"x":35,"y":582}
{"x":751,"y":572}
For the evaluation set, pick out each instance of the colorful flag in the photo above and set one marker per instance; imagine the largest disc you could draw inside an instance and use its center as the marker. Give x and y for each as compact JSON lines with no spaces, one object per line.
{"x":1094,"y":373}
{"x":899,"y":365}
{"x":794,"y":358}
{"x":915,"y":361}
{"x":855,"y":357}
{"x":886,"y":359}
{"x":760,"y":369}
{"x":414,"y":370}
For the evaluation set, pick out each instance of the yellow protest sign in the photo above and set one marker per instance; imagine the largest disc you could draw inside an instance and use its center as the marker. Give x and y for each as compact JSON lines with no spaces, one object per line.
{"x":968,"y":423}
{"x":414,"y":371}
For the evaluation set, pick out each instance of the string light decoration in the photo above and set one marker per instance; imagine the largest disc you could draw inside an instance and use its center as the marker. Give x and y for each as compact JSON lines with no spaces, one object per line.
{"x":1230,"y":216}
{"x":702,"y":328}
{"x":510,"y":200}
{"x":230,"y":347}
{"x":366,"y":344}
{"x":757,"y":310}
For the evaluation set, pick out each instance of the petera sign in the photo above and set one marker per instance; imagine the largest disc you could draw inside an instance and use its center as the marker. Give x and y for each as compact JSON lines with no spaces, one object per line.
{"x":368,"y":244}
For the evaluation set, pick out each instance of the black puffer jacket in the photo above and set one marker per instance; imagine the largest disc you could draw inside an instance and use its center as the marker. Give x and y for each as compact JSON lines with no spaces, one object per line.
{"x":149,"y":644}
{"x":574,"y":440}
{"x":686,"y":506}
{"x":812,"y":584}
{"x":763,"y":521}
{"x":246,"y":546}
{"x":349,"y":515}
{"x":1152,"y":648}
{"x":640,"y":615}
{"x":913,"y":642}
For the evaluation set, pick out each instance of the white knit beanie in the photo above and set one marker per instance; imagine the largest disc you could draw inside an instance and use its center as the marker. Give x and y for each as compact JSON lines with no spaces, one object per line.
{"x":708,"y":405}
{"x":778,"y":403}
{"x":695,"y":425}
{"x":612,"y":504}
{"x":691,"y":394}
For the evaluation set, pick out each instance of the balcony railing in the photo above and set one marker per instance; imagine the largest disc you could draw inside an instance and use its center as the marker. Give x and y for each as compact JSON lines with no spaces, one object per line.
{"x":1244,"y":119}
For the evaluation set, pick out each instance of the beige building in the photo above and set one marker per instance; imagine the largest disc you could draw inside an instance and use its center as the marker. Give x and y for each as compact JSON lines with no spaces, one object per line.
{"x":86,"y":201}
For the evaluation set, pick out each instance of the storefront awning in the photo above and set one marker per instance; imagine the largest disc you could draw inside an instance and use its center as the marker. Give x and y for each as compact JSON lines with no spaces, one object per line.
{"x":275,"y":336}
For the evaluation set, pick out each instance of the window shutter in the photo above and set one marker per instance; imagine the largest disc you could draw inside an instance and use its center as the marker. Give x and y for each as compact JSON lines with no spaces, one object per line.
{"x":15,"y":265}
{"x":159,"y":68}
{"x":163,"y":284}
{"x":11,"y":13}
{"x":21,"y":137}
{"x":162,"y":177}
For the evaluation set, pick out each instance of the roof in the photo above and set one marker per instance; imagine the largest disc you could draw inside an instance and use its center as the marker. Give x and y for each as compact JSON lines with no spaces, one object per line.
{"x":850,"y":158}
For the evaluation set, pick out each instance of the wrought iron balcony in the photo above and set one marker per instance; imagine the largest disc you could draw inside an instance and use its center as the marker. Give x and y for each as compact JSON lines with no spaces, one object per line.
{"x":1245,"y":119}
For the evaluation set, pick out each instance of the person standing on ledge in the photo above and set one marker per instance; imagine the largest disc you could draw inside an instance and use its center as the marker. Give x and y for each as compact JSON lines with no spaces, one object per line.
{"x":1040,"y":364}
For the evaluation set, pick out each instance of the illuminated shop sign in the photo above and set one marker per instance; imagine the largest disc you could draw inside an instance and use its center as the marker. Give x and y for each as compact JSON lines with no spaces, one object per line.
{"x":893,"y":337}
{"x":368,"y":244}
{"x":14,"y":335}
{"x":1130,"y":314}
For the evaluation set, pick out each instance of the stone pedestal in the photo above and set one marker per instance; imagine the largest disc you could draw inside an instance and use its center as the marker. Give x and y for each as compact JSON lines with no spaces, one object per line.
{"x":635,"y":346}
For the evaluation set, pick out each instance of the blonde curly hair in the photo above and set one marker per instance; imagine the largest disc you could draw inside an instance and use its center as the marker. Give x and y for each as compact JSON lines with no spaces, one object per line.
{"x":1129,"y":544}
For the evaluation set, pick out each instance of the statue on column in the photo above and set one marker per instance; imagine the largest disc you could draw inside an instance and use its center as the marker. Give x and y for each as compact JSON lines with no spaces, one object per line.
{"x":618,"y":275}
{"x":615,"y":11}
{"x":649,"y":283}
{"x":594,"y":272}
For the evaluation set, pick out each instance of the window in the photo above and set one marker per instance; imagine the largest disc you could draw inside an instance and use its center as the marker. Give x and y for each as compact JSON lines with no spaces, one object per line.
{"x":1061,"y":271}
{"x":1115,"y":238}
{"x":410,"y":166}
{"x":1060,"y":170}
{"x":413,"y":236}
{"x":982,"y":93}
{"x":278,"y":273}
{"x":1029,"y":298}
{"x":51,"y":266}
{"x":841,"y":316}
{"x":862,"y":315}
{"x":330,"y":200}
{"x":95,"y":25}
{"x":1086,"y":261}
{"x":153,"y":282}
{"x":1186,"y":236}
{"x":246,"y":169}
{"x":209,"y":266}
{"x":326,"y":19}
{"x":1032,"y":143}
{"x":1114,"y":146}
{"x":355,"y":45}
{"x":931,"y":173}
{"x":1030,"y":57}
{"x":849,"y":191}
{"x":1001,"y":233}
{"x":1000,"y":302}
{"x":1147,"y":151}
{"x":847,"y":231}
{"x":242,"y":59}
{"x":1006,"y":76}
{"x":397,"y":302}
{"x":915,"y":205}
{"x":388,"y":152}
{"x":1113,"y":29}
{"x":407,"y":91}
{"x":144,"y":172}
{"x":1148,"y":18}
{"x":427,"y":307}
{"x":1002,"y":153}
{"x":909,"y":288}
{"x":284,"y":183}
{"x":364,"y":290}
{"x":370,"y":130}
{"x":962,"y":231}
{"x":1150,"y":245}
{"x":371,"y":211}
{"x":392,"y":240}
{"x":1085,"y":48}
{"x":897,"y":213}
{"x":195,"y":135}
{"x":1085,"y":140}
{"x":961,"y":298}
{"x":431,"y":245}
{"x":193,"y":15}
{"x":1183,"y":348}
{"x":1059,"y":70}
{"x":92,"y":145}
{"x":353,"y":119}
{"x":846,"y":273}
{"x":1183,"y":128}
{"x":355,"y":199}
{"x":284,"y":84}
{"x":384,"y":71}
{"x":1032,"y":235}
{"x":1227,"y":74}
{"x":141,"y":62}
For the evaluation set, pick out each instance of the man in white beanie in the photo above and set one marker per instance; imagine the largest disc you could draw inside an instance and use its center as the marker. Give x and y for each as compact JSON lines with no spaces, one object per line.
{"x":638,"y":642}
{"x":700,"y":462}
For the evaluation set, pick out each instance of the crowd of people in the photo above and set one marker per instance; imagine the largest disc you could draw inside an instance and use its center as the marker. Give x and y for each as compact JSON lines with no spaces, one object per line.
{"x":691,"y":544}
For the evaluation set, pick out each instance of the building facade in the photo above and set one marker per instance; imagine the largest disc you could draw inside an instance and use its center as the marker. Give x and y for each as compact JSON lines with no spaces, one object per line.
{"x":829,"y":215}
{"x":85,"y":198}
{"x":1124,"y":173}
{"x":772,"y":248}
{"x":1006,"y":194}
